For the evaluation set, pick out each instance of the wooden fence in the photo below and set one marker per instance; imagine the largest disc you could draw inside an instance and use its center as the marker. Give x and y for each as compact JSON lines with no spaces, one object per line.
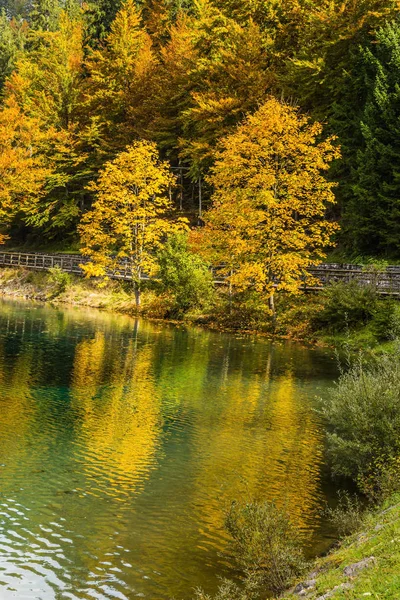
{"x":387,"y":281}
{"x":70,"y":263}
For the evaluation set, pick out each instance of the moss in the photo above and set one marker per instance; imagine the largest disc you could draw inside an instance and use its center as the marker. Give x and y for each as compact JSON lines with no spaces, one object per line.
{"x":380,"y":539}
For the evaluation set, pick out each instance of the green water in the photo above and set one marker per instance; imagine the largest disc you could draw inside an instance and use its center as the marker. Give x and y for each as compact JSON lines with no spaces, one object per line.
{"x":121,"y":442}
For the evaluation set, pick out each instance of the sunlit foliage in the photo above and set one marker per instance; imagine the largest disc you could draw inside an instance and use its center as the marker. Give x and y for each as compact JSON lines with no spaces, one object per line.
{"x":129,"y":217}
{"x":267,"y":223}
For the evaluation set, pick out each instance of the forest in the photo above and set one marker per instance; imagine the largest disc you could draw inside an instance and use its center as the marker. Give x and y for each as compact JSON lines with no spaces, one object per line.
{"x":267,"y":129}
{"x":215,"y":151}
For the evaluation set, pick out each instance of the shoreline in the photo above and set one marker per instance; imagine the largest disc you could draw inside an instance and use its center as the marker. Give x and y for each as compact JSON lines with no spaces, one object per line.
{"x":23,"y":284}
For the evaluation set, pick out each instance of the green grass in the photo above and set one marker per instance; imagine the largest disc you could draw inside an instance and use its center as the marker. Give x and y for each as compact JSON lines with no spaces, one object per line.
{"x":380,"y":538}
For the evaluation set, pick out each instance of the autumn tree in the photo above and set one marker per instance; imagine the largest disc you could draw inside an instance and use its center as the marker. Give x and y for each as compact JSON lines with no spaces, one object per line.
{"x":23,"y":170}
{"x":267,"y":223}
{"x":173,"y":87}
{"x":131,"y":216}
{"x":230,"y":78}
{"x":46,"y":85}
{"x":120,"y":79}
{"x":47,"y":80}
{"x":316,"y":61}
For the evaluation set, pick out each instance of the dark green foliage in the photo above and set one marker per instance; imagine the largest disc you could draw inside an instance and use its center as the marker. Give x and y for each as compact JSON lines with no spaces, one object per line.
{"x":370,"y":135}
{"x":363,"y":418}
{"x":99,"y":15}
{"x":386,"y":320}
{"x":348,"y":515}
{"x":346,"y":305}
{"x":184,"y":275}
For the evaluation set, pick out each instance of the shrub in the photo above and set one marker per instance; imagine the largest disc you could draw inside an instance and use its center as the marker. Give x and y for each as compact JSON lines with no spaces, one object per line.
{"x":383,"y":480}
{"x":227,"y":591}
{"x":265,"y":545}
{"x":247,"y":310}
{"x":60,"y":279}
{"x":386,"y":320}
{"x":363,"y":419}
{"x":184,"y":275}
{"x":346,"y":305}
{"x":348,"y":516}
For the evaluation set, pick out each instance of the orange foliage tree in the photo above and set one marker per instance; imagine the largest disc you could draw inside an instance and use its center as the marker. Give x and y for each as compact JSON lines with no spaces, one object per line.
{"x":267,"y":223}
{"x":23,"y":170}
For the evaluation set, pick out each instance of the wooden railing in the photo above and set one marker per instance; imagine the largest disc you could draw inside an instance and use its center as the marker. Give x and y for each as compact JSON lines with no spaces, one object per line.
{"x":70,"y":263}
{"x":387,"y":281}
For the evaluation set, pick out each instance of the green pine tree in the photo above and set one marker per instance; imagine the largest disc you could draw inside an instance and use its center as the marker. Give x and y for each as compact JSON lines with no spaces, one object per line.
{"x":373,"y":212}
{"x":45,"y":15}
{"x":99,"y":17}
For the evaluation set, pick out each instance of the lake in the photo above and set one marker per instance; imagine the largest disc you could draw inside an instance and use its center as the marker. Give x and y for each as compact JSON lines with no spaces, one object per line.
{"x":122,"y":442}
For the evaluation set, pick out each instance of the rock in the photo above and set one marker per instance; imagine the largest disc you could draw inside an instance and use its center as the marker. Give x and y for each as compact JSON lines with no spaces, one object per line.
{"x":356,"y":568}
{"x":302,"y":588}
{"x":327,"y":595}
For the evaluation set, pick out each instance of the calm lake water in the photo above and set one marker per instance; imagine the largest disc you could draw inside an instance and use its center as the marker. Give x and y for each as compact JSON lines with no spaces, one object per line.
{"x":122,"y":442}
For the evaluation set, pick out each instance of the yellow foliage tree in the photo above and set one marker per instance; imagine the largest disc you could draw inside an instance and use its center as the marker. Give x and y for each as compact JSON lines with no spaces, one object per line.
{"x":129,"y":220}
{"x":23,"y":170}
{"x":121,"y":78}
{"x":267,"y":223}
{"x":231,"y":77}
{"x":47,"y":81}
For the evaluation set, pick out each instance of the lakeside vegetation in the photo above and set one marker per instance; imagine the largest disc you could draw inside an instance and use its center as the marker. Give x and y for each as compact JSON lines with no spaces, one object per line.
{"x":181,"y":135}
{"x":263,"y":131}
{"x":362,"y":417}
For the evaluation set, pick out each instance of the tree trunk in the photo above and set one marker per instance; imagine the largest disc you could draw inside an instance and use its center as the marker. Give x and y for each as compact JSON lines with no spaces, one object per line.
{"x":137,"y":295}
{"x":271,"y":304}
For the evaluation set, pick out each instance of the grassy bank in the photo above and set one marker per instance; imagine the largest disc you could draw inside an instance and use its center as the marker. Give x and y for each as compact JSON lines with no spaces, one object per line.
{"x":364,"y":565}
{"x":45,"y":286}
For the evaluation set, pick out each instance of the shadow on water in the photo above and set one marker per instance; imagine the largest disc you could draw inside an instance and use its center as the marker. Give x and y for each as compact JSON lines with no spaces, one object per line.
{"x":122,"y":441}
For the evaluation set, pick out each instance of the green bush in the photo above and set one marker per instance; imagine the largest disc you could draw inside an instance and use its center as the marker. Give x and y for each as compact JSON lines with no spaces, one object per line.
{"x":184,"y":275}
{"x":386,"y":320}
{"x":383,"y":479}
{"x":60,"y":279}
{"x":265,"y":545}
{"x":363,"y":419}
{"x":346,"y":305}
{"x":349,"y":514}
{"x":228,"y":591}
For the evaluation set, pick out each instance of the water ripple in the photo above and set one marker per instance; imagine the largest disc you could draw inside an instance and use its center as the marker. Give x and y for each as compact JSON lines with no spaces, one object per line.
{"x":121,"y":443}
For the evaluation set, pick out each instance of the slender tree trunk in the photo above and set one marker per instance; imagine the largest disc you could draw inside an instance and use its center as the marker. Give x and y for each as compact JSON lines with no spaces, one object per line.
{"x":271,"y":304}
{"x":230,"y":292}
{"x":137,"y":294}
